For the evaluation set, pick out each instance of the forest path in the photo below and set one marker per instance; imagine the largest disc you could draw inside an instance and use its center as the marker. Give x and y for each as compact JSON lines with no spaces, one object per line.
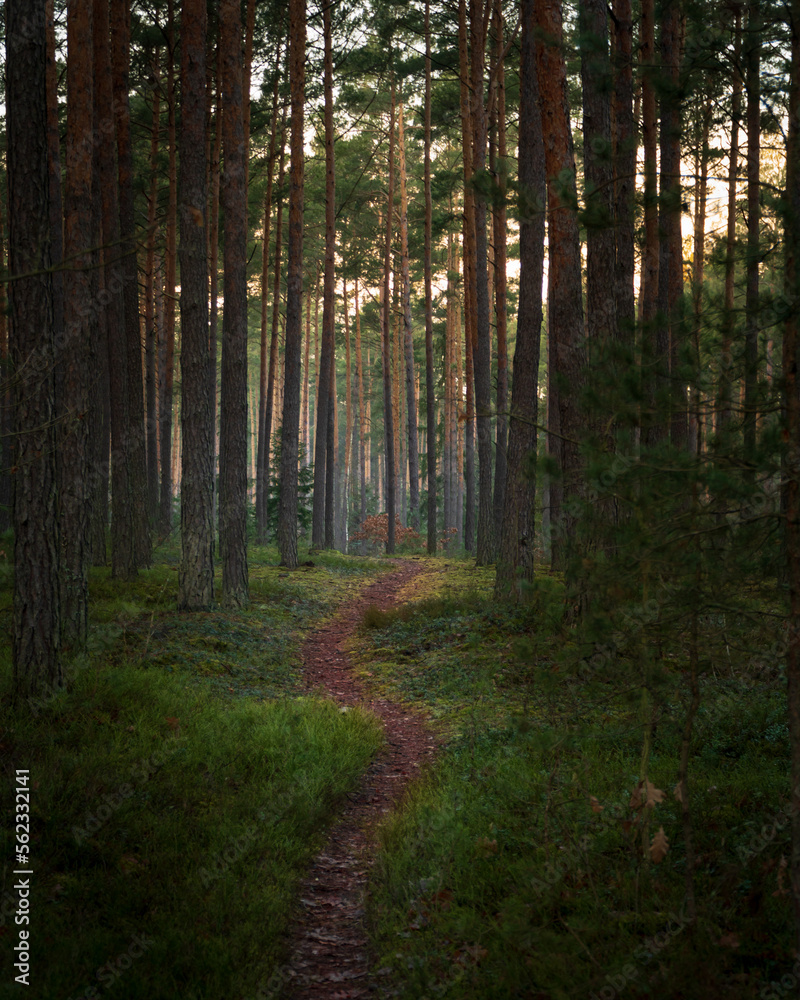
{"x":329,"y":954}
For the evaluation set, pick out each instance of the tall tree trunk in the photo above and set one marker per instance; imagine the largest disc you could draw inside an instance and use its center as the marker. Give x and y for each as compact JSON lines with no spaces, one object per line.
{"x":287,"y":513}
{"x":123,"y":561}
{"x":262,"y":459}
{"x":470,"y":280}
{"x":120,"y":54}
{"x":670,"y":268}
{"x":461,"y":433}
{"x":6,"y":415}
{"x":331,"y":457}
{"x":791,"y":459}
{"x":699,"y":253}
{"x":515,"y":563}
{"x":499,"y":229}
{"x":565,"y":301}
{"x":348,"y":434}
{"x":752,"y":59}
{"x":329,"y":288}
{"x":362,"y":421}
{"x":150,"y":303}
{"x":168,"y":348}
{"x":75,"y":488}
{"x":233,"y":402}
{"x":600,"y":240}
{"x":429,"y":373}
{"x":213,"y":263}
{"x":397,"y":404}
{"x":36,"y":646}
{"x":624,"y":174}
{"x":449,"y":402}
{"x":322,"y":523}
{"x":56,"y":201}
{"x":408,"y":335}
{"x":729,"y":315}
{"x":252,"y":414}
{"x":272,"y":376}
{"x":304,"y":438}
{"x":654,"y":349}
{"x":388,"y":417}
{"x":249,"y":32}
{"x":485,"y":547}
{"x":196,"y":578}
{"x":317,"y":293}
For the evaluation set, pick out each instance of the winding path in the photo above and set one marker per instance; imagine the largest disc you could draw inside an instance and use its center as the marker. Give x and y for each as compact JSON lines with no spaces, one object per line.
{"x":329,"y":959}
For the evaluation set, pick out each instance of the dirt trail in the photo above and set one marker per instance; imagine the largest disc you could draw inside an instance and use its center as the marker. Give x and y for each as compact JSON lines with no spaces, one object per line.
{"x":329,"y":943}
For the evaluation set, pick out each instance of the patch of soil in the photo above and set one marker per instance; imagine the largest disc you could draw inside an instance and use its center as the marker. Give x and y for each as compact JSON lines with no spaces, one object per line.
{"x":329,"y":943}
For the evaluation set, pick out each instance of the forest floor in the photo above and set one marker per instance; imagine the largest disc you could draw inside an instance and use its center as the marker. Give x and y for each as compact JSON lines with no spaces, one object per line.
{"x":378,"y":780}
{"x":330,"y":957}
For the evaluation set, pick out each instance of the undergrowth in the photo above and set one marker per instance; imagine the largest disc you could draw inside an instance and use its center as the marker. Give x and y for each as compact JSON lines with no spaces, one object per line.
{"x":179,"y":787}
{"x":517,"y":869}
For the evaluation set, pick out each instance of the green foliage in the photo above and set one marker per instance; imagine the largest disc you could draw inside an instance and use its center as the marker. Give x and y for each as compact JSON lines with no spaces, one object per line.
{"x":186,"y":823}
{"x":305,"y":491}
{"x":180,"y":786}
{"x":527,"y":831}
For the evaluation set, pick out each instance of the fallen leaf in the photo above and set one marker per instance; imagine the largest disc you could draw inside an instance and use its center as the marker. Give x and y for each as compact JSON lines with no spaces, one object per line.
{"x":654,"y":795}
{"x":677,"y":791}
{"x":730,"y":940}
{"x":596,"y":807}
{"x":659,"y":846}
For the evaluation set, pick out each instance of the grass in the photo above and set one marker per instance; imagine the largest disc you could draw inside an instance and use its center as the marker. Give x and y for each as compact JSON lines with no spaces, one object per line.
{"x":179,"y":788}
{"x":516,"y":869}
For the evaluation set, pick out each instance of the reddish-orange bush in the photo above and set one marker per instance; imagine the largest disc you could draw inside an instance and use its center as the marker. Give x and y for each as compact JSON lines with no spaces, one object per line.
{"x":375,"y":529}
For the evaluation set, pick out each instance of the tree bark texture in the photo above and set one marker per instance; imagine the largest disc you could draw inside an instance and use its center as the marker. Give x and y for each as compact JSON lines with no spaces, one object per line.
{"x":272,"y":373}
{"x":196,"y":578}
{"x":654,"y":349}
{"x":408,"y":333}
{"x":76,"y":361}
{"x":322,"y":523}
{"x":500,"y":235}
{"x":624,"y":174}
{"x":753,"y":88}
{"x":388,"y":417}
{"x":36,"y":643}
{"x":485,"y":542}
{"x":670,"y":268}
{"x":150,"y":303}
{"x":791,"y":461}
{"x":729,"y":315}
{"x":233,"y":400}
{"x":167,"y":346}
{"x":515,"y":564}
{"x":470,"y":280}
{"x":137,"y":457}
{"x":566,"y":351}
{"x":123,"y":561}
{"x":429,"y":372}
{"x":290,"y":433}
{"x":262,"y":476}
